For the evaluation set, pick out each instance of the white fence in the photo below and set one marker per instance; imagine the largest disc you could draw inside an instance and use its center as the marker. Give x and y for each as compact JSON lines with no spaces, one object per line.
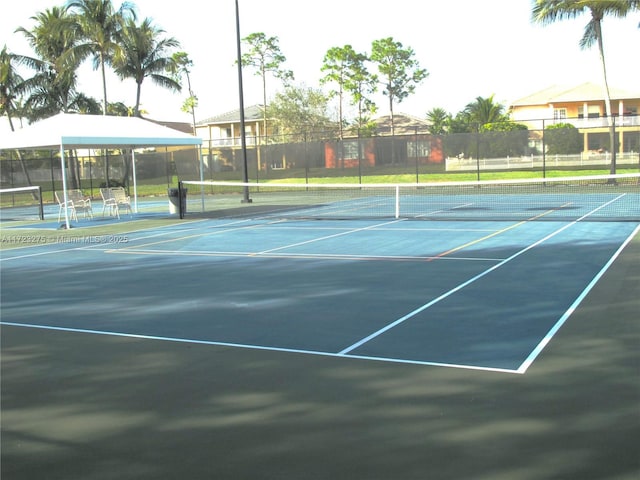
{"x":455,"y":164}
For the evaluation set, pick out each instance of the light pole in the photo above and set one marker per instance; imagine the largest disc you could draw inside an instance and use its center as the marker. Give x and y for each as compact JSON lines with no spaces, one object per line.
{"x":243,"y":136}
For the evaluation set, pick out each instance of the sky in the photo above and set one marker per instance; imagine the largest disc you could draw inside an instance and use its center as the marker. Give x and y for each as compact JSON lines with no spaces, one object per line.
{"x":470,"y":48}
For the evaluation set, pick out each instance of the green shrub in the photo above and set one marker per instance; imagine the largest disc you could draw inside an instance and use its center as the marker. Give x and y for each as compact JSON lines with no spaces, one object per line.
{"x":562,"y":139}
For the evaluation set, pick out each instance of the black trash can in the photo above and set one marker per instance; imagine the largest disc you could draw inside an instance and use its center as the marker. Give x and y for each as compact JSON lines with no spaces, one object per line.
{"x":174,"y":200}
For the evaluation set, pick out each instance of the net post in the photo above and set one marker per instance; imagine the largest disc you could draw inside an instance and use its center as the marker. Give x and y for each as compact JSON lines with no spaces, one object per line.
{"x":40,"y":206}
{"x":180,"y":206}
{"x":397,"y":201}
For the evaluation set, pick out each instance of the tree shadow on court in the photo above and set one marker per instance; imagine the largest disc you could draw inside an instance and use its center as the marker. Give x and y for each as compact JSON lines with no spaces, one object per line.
{"x":80,"y":406}
{"x":77,"y":406}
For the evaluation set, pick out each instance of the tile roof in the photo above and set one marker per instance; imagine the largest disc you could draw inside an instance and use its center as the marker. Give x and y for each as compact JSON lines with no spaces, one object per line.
{"x":585,"y":92}
{"x":401,"y":122}
{"x":180,"y":126}
{"x":252,"y":113}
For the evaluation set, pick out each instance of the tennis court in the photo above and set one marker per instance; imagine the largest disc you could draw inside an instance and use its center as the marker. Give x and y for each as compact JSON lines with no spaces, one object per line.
{"x":275,"y":301}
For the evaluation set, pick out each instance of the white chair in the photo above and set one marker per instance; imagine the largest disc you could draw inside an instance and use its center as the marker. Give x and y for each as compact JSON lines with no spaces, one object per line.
{"x":122,"y":199}
{"x":68,"y":205}
{"x":76,"y":201}
{"x":113,"y":199}
{"x":81,"y":203}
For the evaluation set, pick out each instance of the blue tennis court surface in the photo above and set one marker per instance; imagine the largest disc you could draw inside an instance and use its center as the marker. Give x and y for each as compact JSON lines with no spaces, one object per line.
{"x":479,"y":295}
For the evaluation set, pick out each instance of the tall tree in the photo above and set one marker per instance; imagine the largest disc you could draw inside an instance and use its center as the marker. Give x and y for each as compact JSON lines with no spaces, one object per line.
{"x":399,"y":70}
{"x":301,"y":112}
{"x":183,"y":66}
{"x":361,"y":84}
{"x":549,"y":11}
{"x":265,"y":56}
{"x":145,"y":53}
{"x":347,"y":69}
{"x":100,"y":24}
{"x":336,"y":63}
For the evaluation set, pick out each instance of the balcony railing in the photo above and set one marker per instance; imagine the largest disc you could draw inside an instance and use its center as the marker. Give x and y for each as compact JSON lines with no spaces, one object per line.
{"x":620,"y":121}
{"x":230,"y":142}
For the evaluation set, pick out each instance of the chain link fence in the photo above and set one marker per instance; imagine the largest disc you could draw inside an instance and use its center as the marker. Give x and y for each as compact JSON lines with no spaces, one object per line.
{"x":420,"y":154}
{"x":415,"y":156}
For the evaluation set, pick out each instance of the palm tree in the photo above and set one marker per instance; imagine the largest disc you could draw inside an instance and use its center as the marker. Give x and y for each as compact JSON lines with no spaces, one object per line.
{"x":548,"y":11}
{"x":100,"y":25}
{"x":145,"y":54}
{"x":439,"y":119}
{"x":485,"y":110}
{"x":54,"y":87}
{"x":12,"y":85}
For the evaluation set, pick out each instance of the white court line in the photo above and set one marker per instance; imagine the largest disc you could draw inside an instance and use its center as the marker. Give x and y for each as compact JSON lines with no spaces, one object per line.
{"x":283,"y":224}
{"x":561,"y":321}
{"x":255,"y":347}
{"x":468,"y":282}
{"x":315,"y":256}
{"x":426,"y":227}
{"x":326,"y":237}
{"x":231,"y":227}
{"x":216,"y":229}
{"x":344,"y":354}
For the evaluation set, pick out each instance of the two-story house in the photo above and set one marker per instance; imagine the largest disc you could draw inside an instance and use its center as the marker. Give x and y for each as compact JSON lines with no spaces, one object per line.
{"x":584,"y":107}
{"x":221,"y":142}
{"x":224,"y":131}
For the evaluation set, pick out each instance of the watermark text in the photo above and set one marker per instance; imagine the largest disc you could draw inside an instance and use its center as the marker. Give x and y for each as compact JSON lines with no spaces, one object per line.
{"x":72,"y":239}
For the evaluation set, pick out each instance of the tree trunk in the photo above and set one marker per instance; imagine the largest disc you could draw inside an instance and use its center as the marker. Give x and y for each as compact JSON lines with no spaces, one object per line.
{"x":23,"y":165}
{"x":104,"y":85}
{"x":610,"y":119}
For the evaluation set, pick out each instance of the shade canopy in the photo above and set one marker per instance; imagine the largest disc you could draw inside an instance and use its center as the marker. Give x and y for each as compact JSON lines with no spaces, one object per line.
{"x":68,"y":131}
{"x":71,"y":130}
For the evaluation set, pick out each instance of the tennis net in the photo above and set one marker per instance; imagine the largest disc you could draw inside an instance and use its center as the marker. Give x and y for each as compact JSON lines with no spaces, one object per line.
{"x":588,"y":198}
{"x":21,"y":203}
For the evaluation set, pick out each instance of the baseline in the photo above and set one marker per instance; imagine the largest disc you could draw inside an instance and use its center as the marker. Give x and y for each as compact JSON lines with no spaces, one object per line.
{"x":256,"y":347}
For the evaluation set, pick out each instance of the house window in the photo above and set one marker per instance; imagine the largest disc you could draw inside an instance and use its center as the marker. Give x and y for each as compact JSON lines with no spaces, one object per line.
{"x":350,"y":149}
{"x":420,"y":148}
{"x":559,"y":113}
{"x":593,"y":111}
